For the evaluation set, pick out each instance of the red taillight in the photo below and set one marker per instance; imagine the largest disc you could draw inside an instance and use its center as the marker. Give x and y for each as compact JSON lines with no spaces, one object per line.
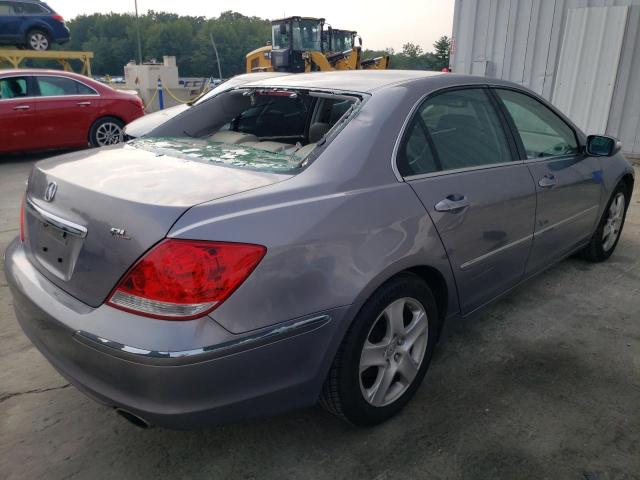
{"x":22,"y":219}
{"x":185,"y":279}
{"x":57,"y":17}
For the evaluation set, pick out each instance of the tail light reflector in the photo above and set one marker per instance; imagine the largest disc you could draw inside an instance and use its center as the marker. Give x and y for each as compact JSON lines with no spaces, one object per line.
{"x":57,"y":17}
{"x":22,"y":236}
{"x":185,"y":279}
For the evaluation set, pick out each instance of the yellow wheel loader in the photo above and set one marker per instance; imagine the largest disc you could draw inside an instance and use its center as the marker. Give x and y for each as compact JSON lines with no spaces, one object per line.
{"x":298,"y":44}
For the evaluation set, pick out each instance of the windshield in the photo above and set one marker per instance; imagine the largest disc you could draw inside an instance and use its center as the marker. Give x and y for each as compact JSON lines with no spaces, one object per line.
{"x":280,"y":36}
{"x":341,"y":41}
{"x":307,"y":35}
{"x":268,"y":129}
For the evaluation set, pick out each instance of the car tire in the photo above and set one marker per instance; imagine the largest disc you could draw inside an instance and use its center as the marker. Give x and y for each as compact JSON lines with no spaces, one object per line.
{"x":106,"y":131}
{"x":368,"y":388}
{"x":38,"y":40}
{"x":606,"y":237}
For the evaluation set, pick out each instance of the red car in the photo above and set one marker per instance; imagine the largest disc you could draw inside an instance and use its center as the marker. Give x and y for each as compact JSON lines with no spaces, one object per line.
{"x":51,"y":109}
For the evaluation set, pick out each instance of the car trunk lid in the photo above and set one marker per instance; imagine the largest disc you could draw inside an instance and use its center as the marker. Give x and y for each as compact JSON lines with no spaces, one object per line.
{"x":91,"y":215}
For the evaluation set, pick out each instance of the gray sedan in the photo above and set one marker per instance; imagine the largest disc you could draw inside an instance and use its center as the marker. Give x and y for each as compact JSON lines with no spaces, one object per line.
{"x":302,"y":238}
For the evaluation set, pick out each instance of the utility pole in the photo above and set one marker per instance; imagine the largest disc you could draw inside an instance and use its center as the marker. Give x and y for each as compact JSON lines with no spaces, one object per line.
{"x":217,"y":57}
{"x":138,"y":34}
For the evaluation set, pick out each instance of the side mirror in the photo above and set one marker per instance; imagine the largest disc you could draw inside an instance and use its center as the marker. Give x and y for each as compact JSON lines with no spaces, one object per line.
{"x":360,"y":41}
{"x":602,"y":146}
{"x":283,"y":29}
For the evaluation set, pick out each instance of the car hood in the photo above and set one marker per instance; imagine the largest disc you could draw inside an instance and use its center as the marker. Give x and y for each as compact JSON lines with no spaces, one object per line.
{"x":127,"y":199}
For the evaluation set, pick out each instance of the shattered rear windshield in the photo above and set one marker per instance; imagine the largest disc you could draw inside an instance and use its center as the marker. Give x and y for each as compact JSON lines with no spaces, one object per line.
{"x":263,"y":128}
{"x":242,"y":156}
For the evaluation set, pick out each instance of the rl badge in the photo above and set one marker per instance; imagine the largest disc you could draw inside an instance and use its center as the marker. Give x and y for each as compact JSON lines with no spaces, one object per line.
{"x":119,"y":233}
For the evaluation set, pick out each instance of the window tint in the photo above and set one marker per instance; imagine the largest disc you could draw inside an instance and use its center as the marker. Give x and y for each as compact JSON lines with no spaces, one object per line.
{"x":464,"y":130}
{"x":6,"y":8}
{"x":14,"y":87}
{"x":543,"y":133}
{"x":57,"y":86}
{"x":29,"y":9}
{"x":416,"y":155}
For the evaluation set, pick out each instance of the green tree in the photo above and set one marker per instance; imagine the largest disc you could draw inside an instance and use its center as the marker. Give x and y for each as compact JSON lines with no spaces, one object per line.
{"x":442,"y":48}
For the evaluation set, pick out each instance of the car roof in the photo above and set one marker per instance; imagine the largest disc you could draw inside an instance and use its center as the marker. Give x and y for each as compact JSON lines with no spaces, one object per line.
{"x":41,"y":71}
{"x":347,"y":80}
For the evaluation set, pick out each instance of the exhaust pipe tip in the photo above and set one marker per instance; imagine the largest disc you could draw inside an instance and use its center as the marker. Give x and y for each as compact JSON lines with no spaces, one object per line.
{"x":133,"y":418}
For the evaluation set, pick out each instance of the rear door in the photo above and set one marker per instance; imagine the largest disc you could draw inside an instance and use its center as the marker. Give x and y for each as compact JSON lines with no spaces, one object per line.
{"x":568,"y":183}
{"x":463,"y":165}
{"x":17,"y":115}
{"x":66,"y":110}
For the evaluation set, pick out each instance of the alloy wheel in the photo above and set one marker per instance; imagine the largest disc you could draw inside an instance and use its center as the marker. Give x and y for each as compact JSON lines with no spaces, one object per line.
{"x":38,"y":41}
{"x":393,"y":351}
{"x":108,"y":133}
{"x":613,"y":224}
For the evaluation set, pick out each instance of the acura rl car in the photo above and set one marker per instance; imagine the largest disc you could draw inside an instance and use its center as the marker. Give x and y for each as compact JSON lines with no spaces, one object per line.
{"x":51,"y":109}
{"x":302,"y":238}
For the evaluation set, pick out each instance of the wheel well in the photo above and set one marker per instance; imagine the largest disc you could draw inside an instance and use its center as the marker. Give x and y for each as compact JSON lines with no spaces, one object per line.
{"x":38,"y":28}
{"x":438,"y":285}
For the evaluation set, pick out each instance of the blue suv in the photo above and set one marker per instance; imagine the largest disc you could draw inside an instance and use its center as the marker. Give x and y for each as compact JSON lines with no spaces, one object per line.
{"x":30,"y":24}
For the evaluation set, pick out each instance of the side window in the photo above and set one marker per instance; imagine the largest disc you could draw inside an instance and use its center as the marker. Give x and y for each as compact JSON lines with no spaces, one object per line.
{"x":415,"y":155}
{"x":29,"y":9}
{"x":6,"y":9}
{"x":14,"y":87}
{"x":454,"y":129}
{"x":84,"y":90}
{"x":543,"y":133}
{"x":58,"y":86}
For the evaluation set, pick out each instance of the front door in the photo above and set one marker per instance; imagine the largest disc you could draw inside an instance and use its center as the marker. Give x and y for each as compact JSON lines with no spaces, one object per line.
{"x":458,"y":158}
{"x":568,"y":183}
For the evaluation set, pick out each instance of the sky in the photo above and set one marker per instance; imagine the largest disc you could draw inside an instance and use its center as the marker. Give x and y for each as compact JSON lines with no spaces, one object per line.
{"x":381,"y":24}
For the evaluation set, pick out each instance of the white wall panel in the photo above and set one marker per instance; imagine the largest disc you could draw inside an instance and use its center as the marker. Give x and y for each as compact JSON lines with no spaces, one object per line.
{"x":588,"y":65}
{"x":521,"y":41}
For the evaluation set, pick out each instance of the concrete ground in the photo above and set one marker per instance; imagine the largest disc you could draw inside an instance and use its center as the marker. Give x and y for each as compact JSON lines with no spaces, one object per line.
{"x":545,"y":384}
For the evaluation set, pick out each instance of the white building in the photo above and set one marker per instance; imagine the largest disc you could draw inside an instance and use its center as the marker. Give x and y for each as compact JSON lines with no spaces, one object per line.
{"x":583,"y":55}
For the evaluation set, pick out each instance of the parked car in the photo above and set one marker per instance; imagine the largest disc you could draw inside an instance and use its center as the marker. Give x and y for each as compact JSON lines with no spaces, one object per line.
{"x":302,"y":237}
{"x":144,"y":125}
{"x":31,"y":24}
{"x":51,"y":109}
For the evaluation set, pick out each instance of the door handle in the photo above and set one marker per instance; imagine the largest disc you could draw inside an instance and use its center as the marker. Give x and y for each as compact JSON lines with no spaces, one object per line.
{"x":22,"y":107}
{"x":84,"y":104}
{"x":548,"y":181}
{"x":453,"y":204}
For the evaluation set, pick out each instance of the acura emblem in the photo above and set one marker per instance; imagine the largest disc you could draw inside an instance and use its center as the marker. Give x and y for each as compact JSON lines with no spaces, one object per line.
{"x":50,"y":192}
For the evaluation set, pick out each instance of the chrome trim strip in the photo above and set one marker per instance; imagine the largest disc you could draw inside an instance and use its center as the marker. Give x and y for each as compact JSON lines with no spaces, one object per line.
{"x":566,"y":220}
{"x":60,"y":223}
{"x":280,"y":332}
{"x":471,"y":263}
{"x":462,"y":170}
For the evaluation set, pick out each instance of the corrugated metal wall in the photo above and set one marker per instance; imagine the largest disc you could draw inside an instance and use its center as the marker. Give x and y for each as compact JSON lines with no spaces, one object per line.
{"x":521,"y":41}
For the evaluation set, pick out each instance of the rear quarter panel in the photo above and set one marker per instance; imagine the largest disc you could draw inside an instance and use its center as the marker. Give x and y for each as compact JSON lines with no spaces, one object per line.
{"x":322,"y":252}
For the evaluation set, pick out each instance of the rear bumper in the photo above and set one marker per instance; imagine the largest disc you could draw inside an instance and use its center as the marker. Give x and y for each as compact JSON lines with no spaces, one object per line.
{"x":172,"y":382}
